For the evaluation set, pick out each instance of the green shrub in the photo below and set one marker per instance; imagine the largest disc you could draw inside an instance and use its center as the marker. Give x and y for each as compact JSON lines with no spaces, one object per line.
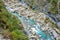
{"x":13,"y":29}
{"x":18,"y":35}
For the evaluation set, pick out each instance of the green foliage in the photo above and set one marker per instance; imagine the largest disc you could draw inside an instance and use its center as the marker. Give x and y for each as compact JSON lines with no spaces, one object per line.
{"x":18,"y":35}
{"x":54,"y":8}
{"x":13,"y":26}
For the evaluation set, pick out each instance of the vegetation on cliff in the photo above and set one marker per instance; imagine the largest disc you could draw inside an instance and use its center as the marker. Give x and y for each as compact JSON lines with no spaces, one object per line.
{"x":12,"y":27}
{"x":37,"y":5}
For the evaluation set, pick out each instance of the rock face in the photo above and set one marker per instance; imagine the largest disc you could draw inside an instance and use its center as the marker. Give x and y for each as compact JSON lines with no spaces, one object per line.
{"x":58,"y":23}
{"x":58,"y":16}
{"x":27,"y":12}
{"x":36,"y":5}
{"x":39,"y":17}
{"x":1,"y":36}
